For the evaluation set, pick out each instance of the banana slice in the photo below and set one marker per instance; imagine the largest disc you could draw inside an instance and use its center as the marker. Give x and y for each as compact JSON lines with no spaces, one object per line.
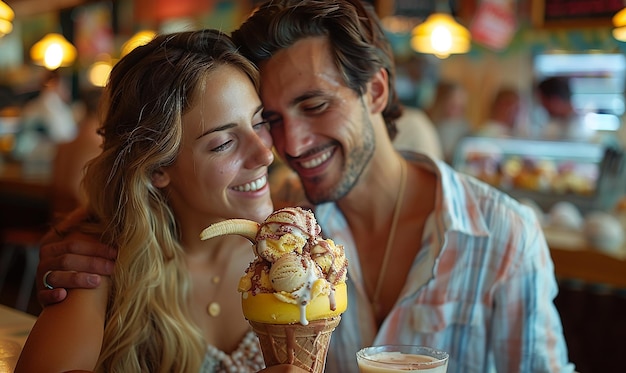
{"x":242,"y":227}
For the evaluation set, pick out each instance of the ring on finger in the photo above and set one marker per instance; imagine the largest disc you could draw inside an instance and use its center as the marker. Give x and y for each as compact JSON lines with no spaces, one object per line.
{"x":45,"y":281}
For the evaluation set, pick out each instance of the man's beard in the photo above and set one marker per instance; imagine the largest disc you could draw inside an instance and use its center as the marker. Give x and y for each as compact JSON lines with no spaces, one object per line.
{"x":355,"y":164}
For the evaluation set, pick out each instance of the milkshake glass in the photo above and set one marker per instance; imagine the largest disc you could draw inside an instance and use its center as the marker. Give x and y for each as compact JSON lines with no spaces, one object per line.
{"x":398,"y":358}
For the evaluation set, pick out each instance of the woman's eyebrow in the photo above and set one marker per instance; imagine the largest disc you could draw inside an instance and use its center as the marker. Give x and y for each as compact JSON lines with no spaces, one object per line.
{"x":216,"y":129}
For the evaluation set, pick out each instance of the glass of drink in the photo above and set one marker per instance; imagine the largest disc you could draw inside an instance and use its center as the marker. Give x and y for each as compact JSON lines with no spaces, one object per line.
{"x":395,"y":358}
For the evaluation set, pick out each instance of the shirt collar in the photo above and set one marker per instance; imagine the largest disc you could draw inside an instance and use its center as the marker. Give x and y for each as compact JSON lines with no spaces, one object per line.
{"x":456,"y":208}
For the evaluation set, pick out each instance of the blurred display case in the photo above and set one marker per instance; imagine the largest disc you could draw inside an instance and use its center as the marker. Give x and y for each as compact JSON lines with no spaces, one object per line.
{"x":589,"y":175}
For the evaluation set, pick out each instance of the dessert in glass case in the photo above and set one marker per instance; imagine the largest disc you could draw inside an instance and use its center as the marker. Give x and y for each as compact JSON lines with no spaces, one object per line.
{"x":544,"y":171}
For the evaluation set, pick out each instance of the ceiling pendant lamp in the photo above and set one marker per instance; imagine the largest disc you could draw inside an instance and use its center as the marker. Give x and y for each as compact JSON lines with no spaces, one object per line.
{"x":440,"y":35}
{"x":619,"y":21}
{"x":6,"y":19}
{"x":53,"y":51}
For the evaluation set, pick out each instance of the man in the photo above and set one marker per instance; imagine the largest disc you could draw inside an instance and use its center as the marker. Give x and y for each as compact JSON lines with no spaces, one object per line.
{"x":436,"y":258}
{"x":563,"y":122}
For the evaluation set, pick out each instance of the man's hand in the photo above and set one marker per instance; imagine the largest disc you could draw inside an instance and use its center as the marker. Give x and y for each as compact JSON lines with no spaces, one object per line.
{"x":74,"y":261}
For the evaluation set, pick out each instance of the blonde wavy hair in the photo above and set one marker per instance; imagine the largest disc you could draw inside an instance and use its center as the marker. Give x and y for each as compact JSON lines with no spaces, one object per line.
{"x":148,"y":325}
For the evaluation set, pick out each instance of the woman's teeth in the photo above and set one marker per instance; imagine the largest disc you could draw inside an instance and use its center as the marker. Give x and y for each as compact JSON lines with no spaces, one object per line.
{"x":252,"y":186}
{"x":316,"y":161}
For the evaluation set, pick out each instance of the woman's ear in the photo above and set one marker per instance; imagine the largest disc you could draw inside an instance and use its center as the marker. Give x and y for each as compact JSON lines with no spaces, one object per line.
{"x":378,"y":88}
{"x":160,"y":178}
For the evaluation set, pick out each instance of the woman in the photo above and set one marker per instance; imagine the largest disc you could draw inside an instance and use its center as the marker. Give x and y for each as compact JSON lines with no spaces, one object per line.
{"x":184,"y":146}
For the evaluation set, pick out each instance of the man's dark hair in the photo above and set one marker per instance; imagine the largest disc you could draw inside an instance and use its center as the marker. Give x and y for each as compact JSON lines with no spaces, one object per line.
{"x":555,"y":86}
{"x":359,"y":45}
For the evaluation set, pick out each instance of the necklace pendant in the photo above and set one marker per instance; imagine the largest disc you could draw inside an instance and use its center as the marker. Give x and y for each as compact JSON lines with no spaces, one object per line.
{"x":214,"y":309}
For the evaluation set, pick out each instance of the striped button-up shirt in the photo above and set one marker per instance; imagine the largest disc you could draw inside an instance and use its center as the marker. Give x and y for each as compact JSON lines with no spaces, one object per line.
{"x":481,"y":287}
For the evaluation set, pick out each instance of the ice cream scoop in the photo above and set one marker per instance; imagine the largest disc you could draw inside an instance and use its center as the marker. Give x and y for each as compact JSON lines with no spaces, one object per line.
{"x":298,"y":276}
{"x":291,"y":273}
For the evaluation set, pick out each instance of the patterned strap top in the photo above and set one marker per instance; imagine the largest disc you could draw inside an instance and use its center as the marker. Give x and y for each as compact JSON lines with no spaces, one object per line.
{"x":246,"y":358}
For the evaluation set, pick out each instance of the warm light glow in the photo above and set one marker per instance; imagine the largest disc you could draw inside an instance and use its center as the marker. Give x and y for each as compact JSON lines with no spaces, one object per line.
{"x":99,"y":73}
{"x":619,"y":21}
{"x":6,"y":19}
{"x":6,"y":13}
{"x":139,"y":39}
{"x":619,"y":33}
{"x":5,"y":27}
{"x":440,"y":35}
{"x":53,"y":51}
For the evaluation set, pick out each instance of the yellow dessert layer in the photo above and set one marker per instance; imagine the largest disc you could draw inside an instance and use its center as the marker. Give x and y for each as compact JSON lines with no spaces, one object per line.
{"x":266,"y":308}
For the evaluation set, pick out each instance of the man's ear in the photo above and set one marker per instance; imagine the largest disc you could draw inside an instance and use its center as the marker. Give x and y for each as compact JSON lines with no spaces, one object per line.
{"x":160,"y":178}
{"x":378,"y":88}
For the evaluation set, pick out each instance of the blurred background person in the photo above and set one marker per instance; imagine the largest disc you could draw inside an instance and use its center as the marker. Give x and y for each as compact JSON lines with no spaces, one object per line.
{"x":504,"y":115}
{"x":71,"y":157}
{"x":562,"y":121}
{"x":417,"y":133}
{"x":46,"y":118}
{"x":448,"y":112}
{"x":46,"y":121}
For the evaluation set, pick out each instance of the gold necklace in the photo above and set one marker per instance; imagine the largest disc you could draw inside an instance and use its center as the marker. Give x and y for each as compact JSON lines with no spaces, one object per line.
{"x":391,"y":238}
{"x":214,"y":309}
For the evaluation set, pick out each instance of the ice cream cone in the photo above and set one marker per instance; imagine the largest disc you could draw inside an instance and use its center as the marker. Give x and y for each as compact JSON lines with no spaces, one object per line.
{"x":294,"y":291}
{"x":304,"y":346}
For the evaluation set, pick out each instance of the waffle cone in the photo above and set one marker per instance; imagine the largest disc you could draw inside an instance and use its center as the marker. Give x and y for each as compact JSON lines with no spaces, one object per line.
{"x":304,"y":346}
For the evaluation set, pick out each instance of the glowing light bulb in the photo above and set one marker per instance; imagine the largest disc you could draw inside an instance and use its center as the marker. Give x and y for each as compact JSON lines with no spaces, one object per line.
{"x":441,"y":39}
{"x":53,"y":57}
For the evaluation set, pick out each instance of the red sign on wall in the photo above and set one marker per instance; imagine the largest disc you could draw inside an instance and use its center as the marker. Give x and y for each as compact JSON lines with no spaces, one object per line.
{"x":159,"y":10}
{"x":494,"y":24}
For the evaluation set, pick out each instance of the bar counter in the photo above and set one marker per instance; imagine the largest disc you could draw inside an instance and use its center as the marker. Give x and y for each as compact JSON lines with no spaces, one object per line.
{"x":575,"y":259}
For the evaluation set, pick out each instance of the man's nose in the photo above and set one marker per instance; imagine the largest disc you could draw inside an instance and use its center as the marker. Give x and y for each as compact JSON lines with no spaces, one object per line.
{"x":297,"y":137}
